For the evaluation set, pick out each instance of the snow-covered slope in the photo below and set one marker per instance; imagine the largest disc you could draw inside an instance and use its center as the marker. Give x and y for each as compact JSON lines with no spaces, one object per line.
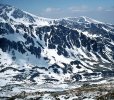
{"x":16,"y":16}
{"x":35,"y":49}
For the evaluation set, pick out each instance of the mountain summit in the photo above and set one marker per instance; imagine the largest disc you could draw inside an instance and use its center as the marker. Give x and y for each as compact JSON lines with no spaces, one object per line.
{"x":14,"y":15}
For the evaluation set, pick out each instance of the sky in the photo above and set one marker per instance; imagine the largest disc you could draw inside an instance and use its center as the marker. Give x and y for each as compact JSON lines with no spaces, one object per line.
{"x":102,"y":10}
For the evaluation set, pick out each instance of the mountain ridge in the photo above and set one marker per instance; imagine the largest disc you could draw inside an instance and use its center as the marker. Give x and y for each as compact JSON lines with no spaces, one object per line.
{"x":7,"y":7}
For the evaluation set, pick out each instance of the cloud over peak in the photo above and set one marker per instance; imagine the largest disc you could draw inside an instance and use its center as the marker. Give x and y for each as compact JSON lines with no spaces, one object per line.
{"x":50,"y":9}
{"x":78,"y":8}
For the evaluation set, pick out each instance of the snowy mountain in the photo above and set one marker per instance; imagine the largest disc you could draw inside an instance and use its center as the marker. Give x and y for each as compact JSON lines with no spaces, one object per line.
{"x":36,"y":50}
{"x":16,"y":16}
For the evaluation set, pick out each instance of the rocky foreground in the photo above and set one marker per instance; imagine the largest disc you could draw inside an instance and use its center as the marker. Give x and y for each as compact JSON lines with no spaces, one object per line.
{"x":104,"y":91}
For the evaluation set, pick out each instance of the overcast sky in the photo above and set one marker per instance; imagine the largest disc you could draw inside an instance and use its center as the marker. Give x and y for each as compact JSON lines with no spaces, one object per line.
{"x":102,"y":10}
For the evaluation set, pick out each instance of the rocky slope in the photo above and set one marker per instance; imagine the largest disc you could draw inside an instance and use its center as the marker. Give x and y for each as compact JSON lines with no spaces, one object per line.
{"x":35,"y":49}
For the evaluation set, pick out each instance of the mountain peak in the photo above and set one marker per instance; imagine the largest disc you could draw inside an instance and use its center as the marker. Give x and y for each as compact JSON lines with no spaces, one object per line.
{"x":11,"y":14}
{"x":83,"y":19}
{"x":89,"y":20}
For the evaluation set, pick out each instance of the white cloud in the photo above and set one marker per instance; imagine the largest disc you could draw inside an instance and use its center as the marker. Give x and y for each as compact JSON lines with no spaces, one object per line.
{"x":100,"y":8}
{"x":82,"y":8}
{"x":48,"y":10}
{"x":109,"y":10}
{"x":104,"y":9}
